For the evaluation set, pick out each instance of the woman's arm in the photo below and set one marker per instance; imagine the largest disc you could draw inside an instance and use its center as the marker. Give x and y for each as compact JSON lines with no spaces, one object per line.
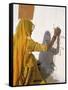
{"x":35,"y":46}
{"x":51,"y":42}
{"x":41,"y":47}
{"x":57,"y":32}
{"x":56,"y":50}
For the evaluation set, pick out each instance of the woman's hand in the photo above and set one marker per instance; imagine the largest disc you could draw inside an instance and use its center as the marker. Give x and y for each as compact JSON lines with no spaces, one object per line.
{"x":57,"y":31}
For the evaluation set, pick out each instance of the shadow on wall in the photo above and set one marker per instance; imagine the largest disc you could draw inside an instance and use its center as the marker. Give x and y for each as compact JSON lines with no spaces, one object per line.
{"x":45,"y":62}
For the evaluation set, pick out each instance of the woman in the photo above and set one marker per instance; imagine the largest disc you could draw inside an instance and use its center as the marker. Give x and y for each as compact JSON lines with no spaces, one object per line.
{"x":25,"y":69}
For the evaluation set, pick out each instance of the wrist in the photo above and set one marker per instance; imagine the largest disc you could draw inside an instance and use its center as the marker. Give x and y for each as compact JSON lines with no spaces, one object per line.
{"x":54,"y":36}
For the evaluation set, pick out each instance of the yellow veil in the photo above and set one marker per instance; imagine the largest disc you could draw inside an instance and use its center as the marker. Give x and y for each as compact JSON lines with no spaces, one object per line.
{"x":24,"y":28}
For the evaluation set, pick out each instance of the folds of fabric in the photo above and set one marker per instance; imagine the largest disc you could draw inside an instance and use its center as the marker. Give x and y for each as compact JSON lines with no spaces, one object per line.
{"x":25,"y":69}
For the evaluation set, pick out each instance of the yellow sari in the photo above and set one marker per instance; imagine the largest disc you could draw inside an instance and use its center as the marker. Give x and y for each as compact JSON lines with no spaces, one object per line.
{"x":25,"y":69}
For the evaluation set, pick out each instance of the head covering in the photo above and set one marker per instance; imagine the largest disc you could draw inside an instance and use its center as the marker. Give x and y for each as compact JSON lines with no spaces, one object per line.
{"x":28,"y":26}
